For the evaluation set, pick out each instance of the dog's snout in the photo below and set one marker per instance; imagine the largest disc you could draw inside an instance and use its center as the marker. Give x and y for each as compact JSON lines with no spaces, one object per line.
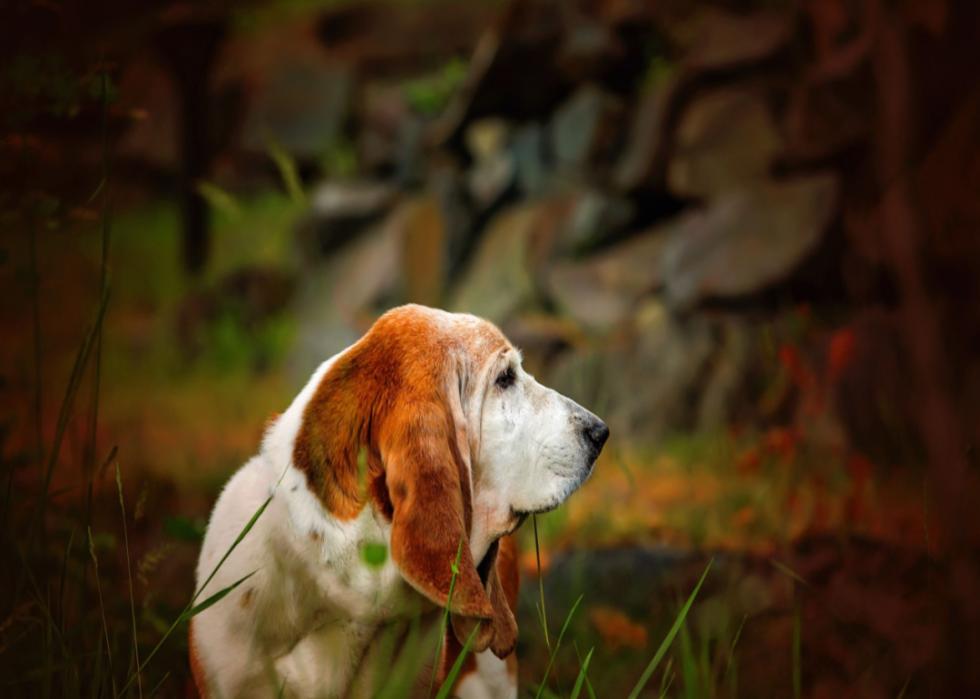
{"x":596,"y":433}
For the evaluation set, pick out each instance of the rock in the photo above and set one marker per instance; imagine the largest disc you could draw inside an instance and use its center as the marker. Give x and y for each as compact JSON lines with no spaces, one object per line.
{"x":724,"y":389}
{"x":645,"y":379}
{"x":709,"y":40}
{"x":655,"y":374}
{"x":339,"y":211}
{"x":390,"y":134}
{"x":542,"y":337}
{"x":339,"y":297}
{"x":524,"y":43}
{"x":576,"y":221}
{"x":420,"y":225}
{"x":713,"y":39}
{"x":588,"y":47}
{"x":822,"y":120}
{"x":646,"y":145}
{"x":593,"y":217}
{"x":537,"y":52}
{"x":583,"y":127}
{"x":746,"y":239}
{"x":493,"y":168}
{"x":486,"y":138}
{"x":497,"y":281}
{"x":527,"y":148}
{"x":602,"y":291}
{"x":659,"y":381}
{"x":389,"y":40}
{"x":301,"y":106}
{"x":726,"y":139}
{"x":445,"y":183}
{"x":489,"y":180}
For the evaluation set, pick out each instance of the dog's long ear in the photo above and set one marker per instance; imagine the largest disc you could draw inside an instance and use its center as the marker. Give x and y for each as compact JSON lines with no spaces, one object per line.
{"x":426,"y":461}
{"x":499,"y":572}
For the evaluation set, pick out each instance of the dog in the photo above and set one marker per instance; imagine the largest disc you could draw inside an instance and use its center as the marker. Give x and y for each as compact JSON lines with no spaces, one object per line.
{"x":425,"y":440}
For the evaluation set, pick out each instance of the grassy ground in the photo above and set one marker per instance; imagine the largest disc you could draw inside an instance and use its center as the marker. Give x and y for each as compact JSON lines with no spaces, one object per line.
{"x":98,"y":562}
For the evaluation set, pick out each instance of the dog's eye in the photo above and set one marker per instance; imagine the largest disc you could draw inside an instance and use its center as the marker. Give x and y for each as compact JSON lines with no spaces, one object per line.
{"x":506,"y":378}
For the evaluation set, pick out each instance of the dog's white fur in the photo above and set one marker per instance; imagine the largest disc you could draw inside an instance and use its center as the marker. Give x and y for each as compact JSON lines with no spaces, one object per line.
{"x":307,"y":614}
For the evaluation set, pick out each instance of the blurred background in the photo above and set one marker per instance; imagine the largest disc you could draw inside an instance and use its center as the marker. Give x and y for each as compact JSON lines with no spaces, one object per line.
{"x":744,"y":232}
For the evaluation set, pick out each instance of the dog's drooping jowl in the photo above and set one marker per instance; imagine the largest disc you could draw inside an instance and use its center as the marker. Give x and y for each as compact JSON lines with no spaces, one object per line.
{"x":425,"y":437}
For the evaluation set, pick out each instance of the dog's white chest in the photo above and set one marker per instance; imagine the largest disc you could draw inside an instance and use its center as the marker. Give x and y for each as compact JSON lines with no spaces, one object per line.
{"x":344,"y":566}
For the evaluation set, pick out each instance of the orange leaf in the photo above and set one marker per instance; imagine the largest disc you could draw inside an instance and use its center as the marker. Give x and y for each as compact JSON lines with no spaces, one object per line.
{"x":617,"y":629}
{"x":748,"y":462}
{"x":781,"y":442}
{"x":529,"y":562}
{"x":840,"y":353}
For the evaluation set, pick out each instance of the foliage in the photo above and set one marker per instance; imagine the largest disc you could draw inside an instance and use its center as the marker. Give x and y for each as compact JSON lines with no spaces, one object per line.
{"x":430,"y":94}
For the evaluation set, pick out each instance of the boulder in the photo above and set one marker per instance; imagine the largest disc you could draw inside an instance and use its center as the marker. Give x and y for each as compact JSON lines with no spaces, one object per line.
{"x":589,"y":47}
{"x":542,"y":337}
{"x":528,"y":148}
{"x":421,"y":226}
{"x":707,"y":41}
{"x":645,"y":380}
{"x":497,"y":280}
{"x":301,"y":107}
{"x":390,"y":134}
{"x":493,"y":168}
{"x":523,"y":42}
{"x":339,"y":211}
{"x":576,"y":221}
{"x":603,"y":290}
{"x":584,"y":127}
{"x":746,"y":239}
{"x":726,"y":138}
{"x":340,"y":295}
{"x":712,"y":39}
{"x":646,"y":145}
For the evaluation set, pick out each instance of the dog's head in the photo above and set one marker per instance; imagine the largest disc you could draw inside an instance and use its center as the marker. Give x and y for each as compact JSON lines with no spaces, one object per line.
{"x":459,"y":445}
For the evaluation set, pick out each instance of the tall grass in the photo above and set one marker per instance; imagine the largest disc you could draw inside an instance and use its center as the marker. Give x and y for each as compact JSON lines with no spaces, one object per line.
{"x":85,"y":629}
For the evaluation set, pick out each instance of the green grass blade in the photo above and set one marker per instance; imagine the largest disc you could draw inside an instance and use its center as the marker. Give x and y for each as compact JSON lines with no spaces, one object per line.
{"x":405,"y":669}
{"x":542,"y":611}
{"x":580,"y":680}
{"x":669,"y":638}
{"x":189,"y":610}
{"x":689,"y":673}
{"x":797,"y":654}
{"x":159,"y":685}
{"x":245,"y":530}
{"x":667,"y":679}
{"x":789,"y":572}
{"x":554,"y":651}
{"x":445,"y":615}
{"x":219,"y":199}
{"x":216,"y":597}
{"x":447,"y":684}
{"x":129,"y":572}
{"x":588,"y":683}
{"x":105,"y":623}
{"x":731,"y":664}
{"x":287,"y":171}
{"x":67,"y":404}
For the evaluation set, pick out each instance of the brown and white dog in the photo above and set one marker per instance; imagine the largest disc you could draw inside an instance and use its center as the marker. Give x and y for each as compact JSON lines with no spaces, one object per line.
{"x":426,"y":436}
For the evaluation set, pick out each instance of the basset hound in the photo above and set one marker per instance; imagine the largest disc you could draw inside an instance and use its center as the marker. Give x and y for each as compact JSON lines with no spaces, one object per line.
{"x":425,"y":441}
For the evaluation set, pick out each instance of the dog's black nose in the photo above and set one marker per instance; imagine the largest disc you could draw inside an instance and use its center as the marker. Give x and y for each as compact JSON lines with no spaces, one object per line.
{"x":596,"y":433}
